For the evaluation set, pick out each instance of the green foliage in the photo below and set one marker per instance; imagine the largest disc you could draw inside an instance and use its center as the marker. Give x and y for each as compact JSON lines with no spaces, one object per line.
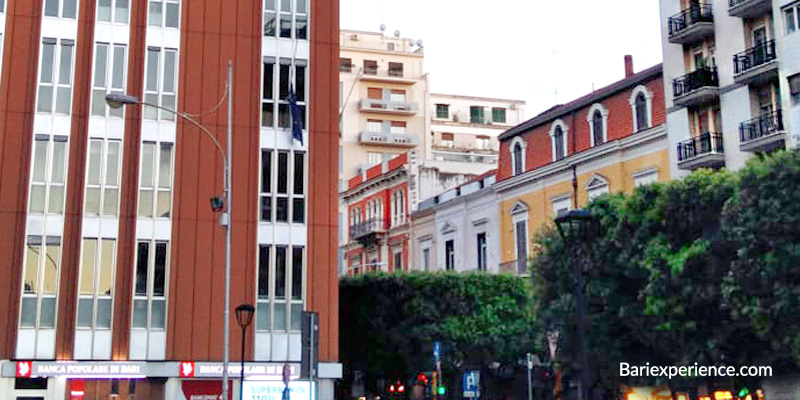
{"x":702,"y":269}
{"x":390,"y":321}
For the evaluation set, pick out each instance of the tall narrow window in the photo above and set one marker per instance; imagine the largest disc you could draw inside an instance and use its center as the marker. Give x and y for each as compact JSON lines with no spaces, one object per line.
{"x":40,"y":282}
{"x":521,"y":233}
{"x":426,"y":259}
{"x":558,"y":143}
{"x":266,"y":185}
{"x":149,"y":297}
{"x":449,"y":255}
{"x":481,"y":251}
{"x":262,"y":300}
{"x":96,"y":283}
{"x":67,"y":9}
{"x":164,"y":13}
{"x":160,"y":82}
{"x":641,"y":112}
{"x":518,"y":159}
{"x":398,"y":260}
{"x":286,"y":19}
{"x":48,"y":175}
{"x":301,"y":19}
{"x":155,"y":184}
{"x":55,"y":76}
{"x":113,"y":10}
{"x":280,"y":288}
{"x":109,"y":75}
{"x":268,"y":93}
{"x":102,"y":180}
{"x":299,"y":85}
{"x":598,"y":133}
{"x":283,"y":186}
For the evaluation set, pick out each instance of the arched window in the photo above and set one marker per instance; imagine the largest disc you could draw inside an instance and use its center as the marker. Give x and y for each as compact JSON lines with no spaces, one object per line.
{"x":517,"y":150}
{"x":641,"y":102}
{"x":558,"y":139}
{"x":641,"y":112}
{"x":597,"y":128}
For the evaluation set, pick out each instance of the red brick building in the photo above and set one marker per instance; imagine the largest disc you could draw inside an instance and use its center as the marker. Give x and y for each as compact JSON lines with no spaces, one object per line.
{"x":113,"y":260}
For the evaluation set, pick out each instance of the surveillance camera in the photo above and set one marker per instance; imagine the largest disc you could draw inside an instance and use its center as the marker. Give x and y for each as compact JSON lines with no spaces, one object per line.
{"x":217,"y":204}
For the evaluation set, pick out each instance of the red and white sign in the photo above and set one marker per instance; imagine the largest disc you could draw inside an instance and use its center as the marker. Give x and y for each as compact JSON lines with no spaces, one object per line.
{"x":187,"y":369}
{"x":204,"y":390}
{"x":24,"y":369}
{"x":77,"y":389}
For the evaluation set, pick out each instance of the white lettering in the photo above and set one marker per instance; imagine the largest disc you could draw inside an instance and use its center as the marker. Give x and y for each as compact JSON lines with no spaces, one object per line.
{"x":624,"y":369}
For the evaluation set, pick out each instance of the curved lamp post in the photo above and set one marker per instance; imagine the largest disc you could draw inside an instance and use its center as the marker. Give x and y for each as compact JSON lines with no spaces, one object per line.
{"x":578,"y":226}
{"x":117,"y":100}
{"x":244,"y":316}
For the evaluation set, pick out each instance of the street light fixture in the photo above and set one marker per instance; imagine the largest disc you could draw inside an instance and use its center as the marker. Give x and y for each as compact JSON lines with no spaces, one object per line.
{"x":577,"y":227}
{"x":244,"y":316}
{"x":117,"y":100}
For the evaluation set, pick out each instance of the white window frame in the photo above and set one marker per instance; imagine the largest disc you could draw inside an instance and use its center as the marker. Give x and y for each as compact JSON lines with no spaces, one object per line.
{"x":39,"y":294}
{"x":564,"y":129}
{"x":108,"y":183}
{"x":291,"y":194}
{"x":95,"y":296}
{"x":281,"y":110}
{"x":115,"y":12}
{"x":397,"y":251}
{"x":559,"y":201}
{"x":482,"y":252}
{"x":645,"y":177}
{"x":150,"y":297}
{"x":595,"y":108}
{"x":156,"y":188}
{"x":157,"y":93}
{"x":520,"y":214}
{"x":794,"y":9}
{"x":61,"y":7}
{"x":596,"y":186}
{"x":106,"y":84}
{"x":164,"y":5}
{"x":46,"y":177}
{"x":398,"y":207}
{"x":648,"y":96}
{"x":483,"y":142}
{"x":292,"y":319}
{"x":56,"y":85}
{"x":514,"y":142}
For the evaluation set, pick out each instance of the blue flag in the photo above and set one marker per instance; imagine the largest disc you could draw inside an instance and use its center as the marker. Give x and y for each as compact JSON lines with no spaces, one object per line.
{"x":297,"y":122}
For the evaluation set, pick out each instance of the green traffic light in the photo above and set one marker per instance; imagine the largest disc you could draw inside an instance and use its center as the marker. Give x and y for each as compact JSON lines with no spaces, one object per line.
{"x":744,"y":392}
{"x":441,"y":390}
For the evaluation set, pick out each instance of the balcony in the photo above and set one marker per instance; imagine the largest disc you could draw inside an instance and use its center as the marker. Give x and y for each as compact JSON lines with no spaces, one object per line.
{"x":388,"y":107}
{"x":696,"y":88}
{"x":517,"y":267}
{"x":748,"y":8}
{"x":703,"y":151}
{"x":692,"y":24}
{"x":364,"y":231}
{"x":757,"y":64}
{"x":388,"y":139}
{"x":763,"y":133}
{"x":386,"y":76}
{"x":449,"y":154}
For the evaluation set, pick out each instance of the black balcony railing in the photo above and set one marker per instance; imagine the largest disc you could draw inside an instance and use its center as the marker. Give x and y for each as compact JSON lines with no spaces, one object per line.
{"x":695,"y":80}
{"x":696,"y":13}
{"x":703,"y":144}
{"x":364,"y":228}
{"x":759,"y":54}
{"x":764,"y":125}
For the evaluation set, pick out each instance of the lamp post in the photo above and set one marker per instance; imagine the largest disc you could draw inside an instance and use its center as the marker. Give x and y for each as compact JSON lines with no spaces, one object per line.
{"x":576,"y":226}
{"x":244,"y":316}
{"x":117,"y":100}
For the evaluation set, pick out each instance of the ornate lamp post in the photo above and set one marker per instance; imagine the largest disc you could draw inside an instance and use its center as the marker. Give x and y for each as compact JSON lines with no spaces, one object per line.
{"x":575,"y":227}
{"x":244,"y":316}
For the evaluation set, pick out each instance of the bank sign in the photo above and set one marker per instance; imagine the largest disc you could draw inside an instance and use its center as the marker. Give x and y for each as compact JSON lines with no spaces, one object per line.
{"x":265,"y":390}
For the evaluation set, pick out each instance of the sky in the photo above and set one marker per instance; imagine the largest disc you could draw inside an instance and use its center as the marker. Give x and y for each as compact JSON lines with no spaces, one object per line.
{"x":545,"y":52}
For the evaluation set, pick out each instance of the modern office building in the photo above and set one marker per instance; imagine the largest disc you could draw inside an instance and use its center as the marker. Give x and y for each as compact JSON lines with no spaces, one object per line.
{"x":113,"y":260}
{"x":610,"y":140}
{"x":732,"y":80}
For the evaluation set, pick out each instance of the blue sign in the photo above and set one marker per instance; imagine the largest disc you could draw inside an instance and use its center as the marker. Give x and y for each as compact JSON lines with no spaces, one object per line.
{"x":471,"y":382}
{"x":437,"y":350}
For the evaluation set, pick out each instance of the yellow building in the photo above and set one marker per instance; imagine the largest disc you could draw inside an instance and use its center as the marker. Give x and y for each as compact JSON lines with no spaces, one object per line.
{"x":610,"y":140}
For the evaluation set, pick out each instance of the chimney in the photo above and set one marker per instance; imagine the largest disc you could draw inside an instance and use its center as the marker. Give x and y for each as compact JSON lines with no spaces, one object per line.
{"x":628,"y":65}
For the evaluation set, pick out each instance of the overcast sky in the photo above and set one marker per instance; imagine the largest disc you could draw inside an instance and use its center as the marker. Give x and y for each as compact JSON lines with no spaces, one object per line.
{"x":519,"y":49}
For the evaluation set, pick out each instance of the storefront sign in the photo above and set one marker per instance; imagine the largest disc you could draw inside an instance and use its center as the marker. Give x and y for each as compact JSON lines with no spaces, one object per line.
{"x":27,"y":369}
{"x":270,"y":372}
{"x":204,"y":390}
{"x":260,"y":390}
{"x":142,"y":369}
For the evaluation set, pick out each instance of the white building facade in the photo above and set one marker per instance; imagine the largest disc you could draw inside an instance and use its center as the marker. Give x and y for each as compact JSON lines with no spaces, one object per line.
{"x":732,"y":80}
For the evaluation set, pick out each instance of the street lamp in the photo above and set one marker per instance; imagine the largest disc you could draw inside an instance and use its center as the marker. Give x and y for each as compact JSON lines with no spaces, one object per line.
{"x":244,"y":316}
{"x":575,"y":227}
{"x":117,"y":100}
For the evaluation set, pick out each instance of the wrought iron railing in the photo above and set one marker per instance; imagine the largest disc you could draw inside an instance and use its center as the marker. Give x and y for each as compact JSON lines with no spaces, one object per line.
{"x":759,"y":54}
{"x":696,"y":13}
{"x":364,"y":228}
{"x":763,"y":125}
{"x":703,"y":144}
{"x":704,"y":77}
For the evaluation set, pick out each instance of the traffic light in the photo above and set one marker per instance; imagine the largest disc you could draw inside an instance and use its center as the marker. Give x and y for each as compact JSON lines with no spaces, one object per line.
{"x":441,"y":391}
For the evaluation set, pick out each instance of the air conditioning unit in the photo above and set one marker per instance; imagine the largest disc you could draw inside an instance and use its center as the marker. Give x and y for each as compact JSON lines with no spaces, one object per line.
{"x":401,"y":108}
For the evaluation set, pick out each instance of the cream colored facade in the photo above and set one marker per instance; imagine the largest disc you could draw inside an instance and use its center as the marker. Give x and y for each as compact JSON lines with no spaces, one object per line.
{"x":465,"y":129}
{"x":383,"y":92}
